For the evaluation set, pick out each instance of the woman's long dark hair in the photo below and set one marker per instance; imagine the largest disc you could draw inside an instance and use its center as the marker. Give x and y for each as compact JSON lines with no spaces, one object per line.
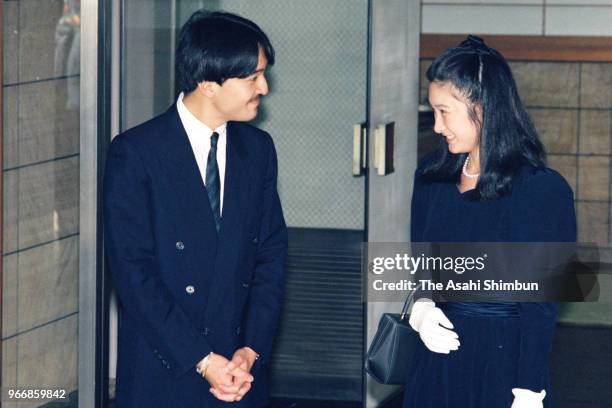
{"x":508,"y":139}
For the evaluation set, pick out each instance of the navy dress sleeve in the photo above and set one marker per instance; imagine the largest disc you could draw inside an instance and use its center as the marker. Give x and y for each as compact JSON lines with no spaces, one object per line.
{"x":543,"y":211}
{"x":420,"y":205}
{"x":418,"y":209}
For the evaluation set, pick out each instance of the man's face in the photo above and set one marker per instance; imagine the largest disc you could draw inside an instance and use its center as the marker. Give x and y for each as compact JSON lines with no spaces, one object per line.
{"x":238,"y":98}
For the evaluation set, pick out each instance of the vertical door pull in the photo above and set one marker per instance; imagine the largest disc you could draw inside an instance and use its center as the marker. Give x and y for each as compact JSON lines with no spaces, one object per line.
{"x":383,"y":148}
{"x":359,"y":148}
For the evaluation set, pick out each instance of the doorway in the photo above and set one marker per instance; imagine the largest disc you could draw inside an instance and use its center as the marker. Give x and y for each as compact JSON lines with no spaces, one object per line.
{"x":326,"y":88}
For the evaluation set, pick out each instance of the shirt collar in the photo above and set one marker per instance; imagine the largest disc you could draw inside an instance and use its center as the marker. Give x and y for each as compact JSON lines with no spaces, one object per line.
{"x":192,"y":124}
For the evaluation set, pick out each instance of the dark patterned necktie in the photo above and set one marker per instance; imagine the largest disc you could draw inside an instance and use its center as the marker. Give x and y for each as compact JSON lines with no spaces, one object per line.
{"x":213,"y":181}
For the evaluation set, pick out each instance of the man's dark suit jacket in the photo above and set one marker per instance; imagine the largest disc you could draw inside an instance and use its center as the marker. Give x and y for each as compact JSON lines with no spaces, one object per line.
{"x":184,"y":290}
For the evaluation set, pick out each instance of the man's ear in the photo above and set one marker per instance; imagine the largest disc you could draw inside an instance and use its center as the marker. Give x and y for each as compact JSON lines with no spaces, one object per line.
{"x":208,"y":88}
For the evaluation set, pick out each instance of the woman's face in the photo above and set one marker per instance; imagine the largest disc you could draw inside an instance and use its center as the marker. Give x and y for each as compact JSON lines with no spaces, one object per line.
{"x":452,"y":119}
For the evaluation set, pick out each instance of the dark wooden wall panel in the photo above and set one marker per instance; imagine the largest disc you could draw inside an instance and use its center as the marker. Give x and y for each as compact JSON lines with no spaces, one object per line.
{"x":528,"y":47}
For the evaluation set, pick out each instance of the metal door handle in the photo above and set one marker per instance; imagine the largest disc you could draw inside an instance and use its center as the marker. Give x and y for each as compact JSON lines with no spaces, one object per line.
{"x":360,"y":134}
{"x":383,"y":148}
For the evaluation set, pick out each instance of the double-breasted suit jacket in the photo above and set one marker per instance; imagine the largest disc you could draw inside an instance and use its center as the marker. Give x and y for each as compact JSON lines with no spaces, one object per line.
{"x":184,"y":289}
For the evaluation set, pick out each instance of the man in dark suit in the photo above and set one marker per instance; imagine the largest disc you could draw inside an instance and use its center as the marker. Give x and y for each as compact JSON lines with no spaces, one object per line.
{"x":194,"y":231}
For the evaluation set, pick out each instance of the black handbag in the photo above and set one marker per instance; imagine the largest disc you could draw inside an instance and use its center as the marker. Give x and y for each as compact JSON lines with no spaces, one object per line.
{"x":390,"y":355}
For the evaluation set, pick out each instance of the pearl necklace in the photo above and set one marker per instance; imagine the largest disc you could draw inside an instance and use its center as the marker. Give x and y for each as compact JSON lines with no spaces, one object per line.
{"x":465,"y":173}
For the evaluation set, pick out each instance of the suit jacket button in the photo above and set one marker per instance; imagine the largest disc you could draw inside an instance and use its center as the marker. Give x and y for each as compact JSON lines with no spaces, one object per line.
{"x":245,"y":285}
{"x":180,"y":246}
{"x":206,"y":331}
{"x":255,"y":240}
{"x":238,"y":330}
{"x":190,"y":289}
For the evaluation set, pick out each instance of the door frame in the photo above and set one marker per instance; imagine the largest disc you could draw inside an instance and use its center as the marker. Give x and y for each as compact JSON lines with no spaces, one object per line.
{"x":95,"y":97}
{"x":1,"y":177}
{"x":393,"y":96}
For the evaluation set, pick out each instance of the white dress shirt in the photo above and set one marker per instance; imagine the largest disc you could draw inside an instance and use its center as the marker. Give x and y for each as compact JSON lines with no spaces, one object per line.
{"x":199,"y":137}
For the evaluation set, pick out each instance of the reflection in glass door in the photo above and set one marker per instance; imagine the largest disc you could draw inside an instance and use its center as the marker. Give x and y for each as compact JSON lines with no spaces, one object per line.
{"x":317,"y":93}
{"x":41,"y":174}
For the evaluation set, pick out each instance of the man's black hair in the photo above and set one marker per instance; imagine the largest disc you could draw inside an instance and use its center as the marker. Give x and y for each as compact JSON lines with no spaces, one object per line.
{"x":216,"y":46}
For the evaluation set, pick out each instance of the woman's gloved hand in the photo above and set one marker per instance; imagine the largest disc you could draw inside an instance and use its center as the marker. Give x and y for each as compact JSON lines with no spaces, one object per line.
{"x":433,"y":327}
{"x":527,"y":399}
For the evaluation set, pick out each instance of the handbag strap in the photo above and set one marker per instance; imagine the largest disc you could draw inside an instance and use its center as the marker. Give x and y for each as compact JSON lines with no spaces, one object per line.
{"x":407,"y":302}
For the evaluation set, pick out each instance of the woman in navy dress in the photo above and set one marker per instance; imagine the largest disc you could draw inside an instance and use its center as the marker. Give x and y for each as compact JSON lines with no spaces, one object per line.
{"x":488,"y":182}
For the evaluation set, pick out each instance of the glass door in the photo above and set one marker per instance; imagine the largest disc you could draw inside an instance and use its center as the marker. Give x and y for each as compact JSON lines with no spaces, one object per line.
{"x":42,"y":234}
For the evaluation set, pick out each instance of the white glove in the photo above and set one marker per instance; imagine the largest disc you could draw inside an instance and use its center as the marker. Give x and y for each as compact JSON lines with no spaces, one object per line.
{"x":428,"y":320}
{"x":527,"y":399}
